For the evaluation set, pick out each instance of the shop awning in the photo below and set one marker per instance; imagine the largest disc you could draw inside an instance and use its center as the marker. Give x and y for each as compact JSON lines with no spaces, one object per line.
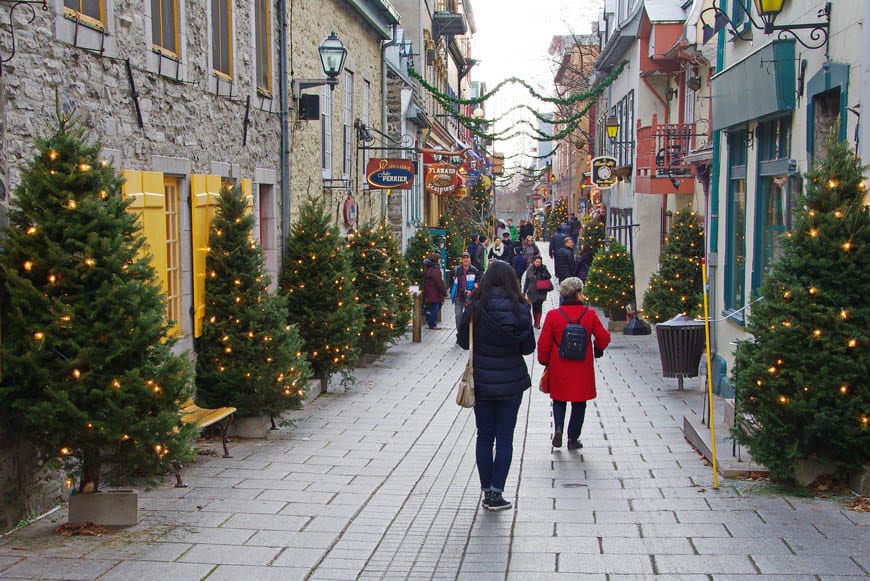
{"x":761,"y":84}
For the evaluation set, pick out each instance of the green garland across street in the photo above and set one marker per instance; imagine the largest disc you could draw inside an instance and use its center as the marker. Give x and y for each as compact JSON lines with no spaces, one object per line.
{"x":474,"y":125}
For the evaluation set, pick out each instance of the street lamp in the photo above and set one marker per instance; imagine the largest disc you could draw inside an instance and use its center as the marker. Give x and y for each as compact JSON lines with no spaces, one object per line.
{"x":332,"y":56}
{"x":611,"y":125}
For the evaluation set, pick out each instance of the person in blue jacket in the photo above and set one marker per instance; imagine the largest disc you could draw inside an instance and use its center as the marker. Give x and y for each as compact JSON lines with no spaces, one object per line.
{"x":503,"y":334}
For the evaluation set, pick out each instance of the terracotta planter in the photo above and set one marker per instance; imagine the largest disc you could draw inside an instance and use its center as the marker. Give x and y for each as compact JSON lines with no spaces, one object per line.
{"x":115,"y":508}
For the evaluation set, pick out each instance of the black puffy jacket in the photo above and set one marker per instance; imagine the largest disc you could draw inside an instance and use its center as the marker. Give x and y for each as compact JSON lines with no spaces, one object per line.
{"x":501,"y":339}
{"x":564,"y":263}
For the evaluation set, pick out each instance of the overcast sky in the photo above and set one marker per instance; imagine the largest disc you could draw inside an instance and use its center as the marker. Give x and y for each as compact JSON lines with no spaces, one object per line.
{"x":512,"y":39}
{"x":513,"y":36}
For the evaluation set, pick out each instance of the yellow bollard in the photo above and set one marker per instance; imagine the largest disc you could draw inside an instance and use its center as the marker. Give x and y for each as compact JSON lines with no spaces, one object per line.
{"x":709,"y":375}
{"x":416,"y":333}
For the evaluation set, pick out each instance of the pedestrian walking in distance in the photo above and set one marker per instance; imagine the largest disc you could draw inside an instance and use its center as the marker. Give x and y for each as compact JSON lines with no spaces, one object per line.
{"x":434,"y":289}
{"x":466,"y":277}
{"x":537,"y":271}
{"x":503,"y":334}
{"x":571,"y":380}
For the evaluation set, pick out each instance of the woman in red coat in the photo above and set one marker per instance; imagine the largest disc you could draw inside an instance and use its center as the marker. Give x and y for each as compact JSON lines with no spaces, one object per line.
{"x":571,"y":379}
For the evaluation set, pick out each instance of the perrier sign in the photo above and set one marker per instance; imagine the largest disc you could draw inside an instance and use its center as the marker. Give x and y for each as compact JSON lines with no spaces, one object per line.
{"x":603,"y":175}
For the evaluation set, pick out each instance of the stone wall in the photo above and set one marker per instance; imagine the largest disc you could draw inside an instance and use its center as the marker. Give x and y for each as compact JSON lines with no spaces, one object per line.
{"x":307,"y":177}
{"x":28,"y":488}
{"x":175,"y":116}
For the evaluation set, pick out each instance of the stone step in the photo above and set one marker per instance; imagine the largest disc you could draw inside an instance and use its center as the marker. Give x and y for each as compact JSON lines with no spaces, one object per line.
{"x":732,"y":460}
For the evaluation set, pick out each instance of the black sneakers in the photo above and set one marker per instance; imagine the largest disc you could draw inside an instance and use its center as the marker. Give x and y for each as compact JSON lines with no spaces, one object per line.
{"x":495,"y":501}
{"x":557,"y":440}
{"x":574,"y":444}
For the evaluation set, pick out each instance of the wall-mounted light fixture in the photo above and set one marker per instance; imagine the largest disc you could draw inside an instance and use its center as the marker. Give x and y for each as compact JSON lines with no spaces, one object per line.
{"x":767,"y":11}
{"x":670,"y":93}
{"x":694,"y":83}
{"x":332,"y":55}
{"x":611,"y":127}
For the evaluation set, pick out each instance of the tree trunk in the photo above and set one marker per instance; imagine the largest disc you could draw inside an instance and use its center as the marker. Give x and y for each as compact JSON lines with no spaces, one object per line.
{"x":90,"y":476}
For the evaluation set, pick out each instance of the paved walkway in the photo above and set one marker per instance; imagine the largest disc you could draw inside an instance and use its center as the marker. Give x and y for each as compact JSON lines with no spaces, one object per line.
{"x":378,"y":482}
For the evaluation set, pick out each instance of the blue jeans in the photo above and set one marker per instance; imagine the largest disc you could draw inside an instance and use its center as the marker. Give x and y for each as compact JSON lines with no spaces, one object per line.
{"x":575,"y":423}
{"x":433,"y":314}
{"x":496,"y":420}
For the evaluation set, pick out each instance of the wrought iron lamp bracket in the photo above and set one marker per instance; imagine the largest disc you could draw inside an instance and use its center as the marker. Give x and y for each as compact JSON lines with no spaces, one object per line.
{"x":818,"y":31}
{"x":12,"y":5}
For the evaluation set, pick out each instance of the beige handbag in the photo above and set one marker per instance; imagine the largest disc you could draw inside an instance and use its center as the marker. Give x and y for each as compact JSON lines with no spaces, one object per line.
{"x":465,"y":387}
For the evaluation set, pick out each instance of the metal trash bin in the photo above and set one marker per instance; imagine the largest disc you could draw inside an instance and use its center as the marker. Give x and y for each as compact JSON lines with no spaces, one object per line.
{"x":681,"y":345}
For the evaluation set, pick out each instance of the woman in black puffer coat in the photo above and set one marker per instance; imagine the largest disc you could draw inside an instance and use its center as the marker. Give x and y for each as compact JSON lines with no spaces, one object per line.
{"x":503,"y":334}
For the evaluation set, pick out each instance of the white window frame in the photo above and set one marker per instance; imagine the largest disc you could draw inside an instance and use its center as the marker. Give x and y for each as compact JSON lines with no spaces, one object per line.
{"x":326,"y":131}
{"x":347,"y":127}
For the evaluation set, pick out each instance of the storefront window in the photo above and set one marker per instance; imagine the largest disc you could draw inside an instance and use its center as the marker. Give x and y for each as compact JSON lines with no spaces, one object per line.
{"x":735,"y":263}
{"x":773,"y":200}
{"x":772,"y":214}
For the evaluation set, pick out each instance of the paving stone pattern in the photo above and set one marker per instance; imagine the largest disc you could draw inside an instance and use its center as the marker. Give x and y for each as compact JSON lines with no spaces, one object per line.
{"x":376,"y":480}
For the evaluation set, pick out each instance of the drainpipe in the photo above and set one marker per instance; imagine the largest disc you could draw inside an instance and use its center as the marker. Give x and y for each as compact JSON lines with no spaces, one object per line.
{"x":392,"y":42}
{"x":284,"y":104}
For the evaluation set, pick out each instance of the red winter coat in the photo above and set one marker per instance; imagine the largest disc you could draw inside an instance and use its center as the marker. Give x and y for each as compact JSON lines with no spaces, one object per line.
{"x":570,"y":379}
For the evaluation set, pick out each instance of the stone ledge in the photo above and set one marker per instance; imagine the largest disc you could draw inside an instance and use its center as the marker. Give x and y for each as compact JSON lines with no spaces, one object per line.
{"x":729,"y":466}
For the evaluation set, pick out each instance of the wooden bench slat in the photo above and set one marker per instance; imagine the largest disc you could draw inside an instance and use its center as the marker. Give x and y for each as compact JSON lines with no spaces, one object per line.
{"x":193,"y":414}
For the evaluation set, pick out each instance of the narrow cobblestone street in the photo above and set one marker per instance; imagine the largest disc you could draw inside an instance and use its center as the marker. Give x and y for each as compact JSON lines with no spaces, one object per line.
{"x":377,"y":481}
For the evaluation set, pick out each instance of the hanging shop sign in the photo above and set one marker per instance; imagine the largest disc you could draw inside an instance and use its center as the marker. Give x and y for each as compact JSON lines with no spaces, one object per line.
{"x":441,"y":179}
{"x":386,"y":173}
{"x":350,"y":210}
{"x":603,"y":174}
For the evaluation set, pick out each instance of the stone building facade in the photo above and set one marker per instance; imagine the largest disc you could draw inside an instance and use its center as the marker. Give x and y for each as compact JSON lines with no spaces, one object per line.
{"x":186,"y":101}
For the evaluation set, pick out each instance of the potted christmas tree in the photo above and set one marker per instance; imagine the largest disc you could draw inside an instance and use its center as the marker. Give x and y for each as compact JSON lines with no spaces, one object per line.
{"x":418,"y":250}
{"x":321,"y":299}
{"x":593,"y":235}
{"x":610,"y":284}
{"x":381,"y":282}
{"x":676,"y":287}
{"x":247,"y":357}
{"x":89,"y":375}
{"x":557,"y":216}
{"x":801,"y":382}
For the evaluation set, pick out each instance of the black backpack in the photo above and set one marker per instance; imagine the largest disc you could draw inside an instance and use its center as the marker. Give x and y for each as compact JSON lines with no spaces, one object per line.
{"x":574,"y":338}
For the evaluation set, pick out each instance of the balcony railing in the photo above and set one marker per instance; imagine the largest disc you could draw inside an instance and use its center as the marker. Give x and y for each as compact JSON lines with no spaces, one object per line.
{"x":661,"y":150}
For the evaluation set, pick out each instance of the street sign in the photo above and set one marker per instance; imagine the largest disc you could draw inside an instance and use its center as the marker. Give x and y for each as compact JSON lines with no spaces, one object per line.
{"x":603,"y":175}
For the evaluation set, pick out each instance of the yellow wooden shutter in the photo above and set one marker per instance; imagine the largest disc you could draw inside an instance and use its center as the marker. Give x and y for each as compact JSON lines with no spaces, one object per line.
{"x":205,"y":192}
{"x":248,"y":194}
{"x":145,"y":188}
